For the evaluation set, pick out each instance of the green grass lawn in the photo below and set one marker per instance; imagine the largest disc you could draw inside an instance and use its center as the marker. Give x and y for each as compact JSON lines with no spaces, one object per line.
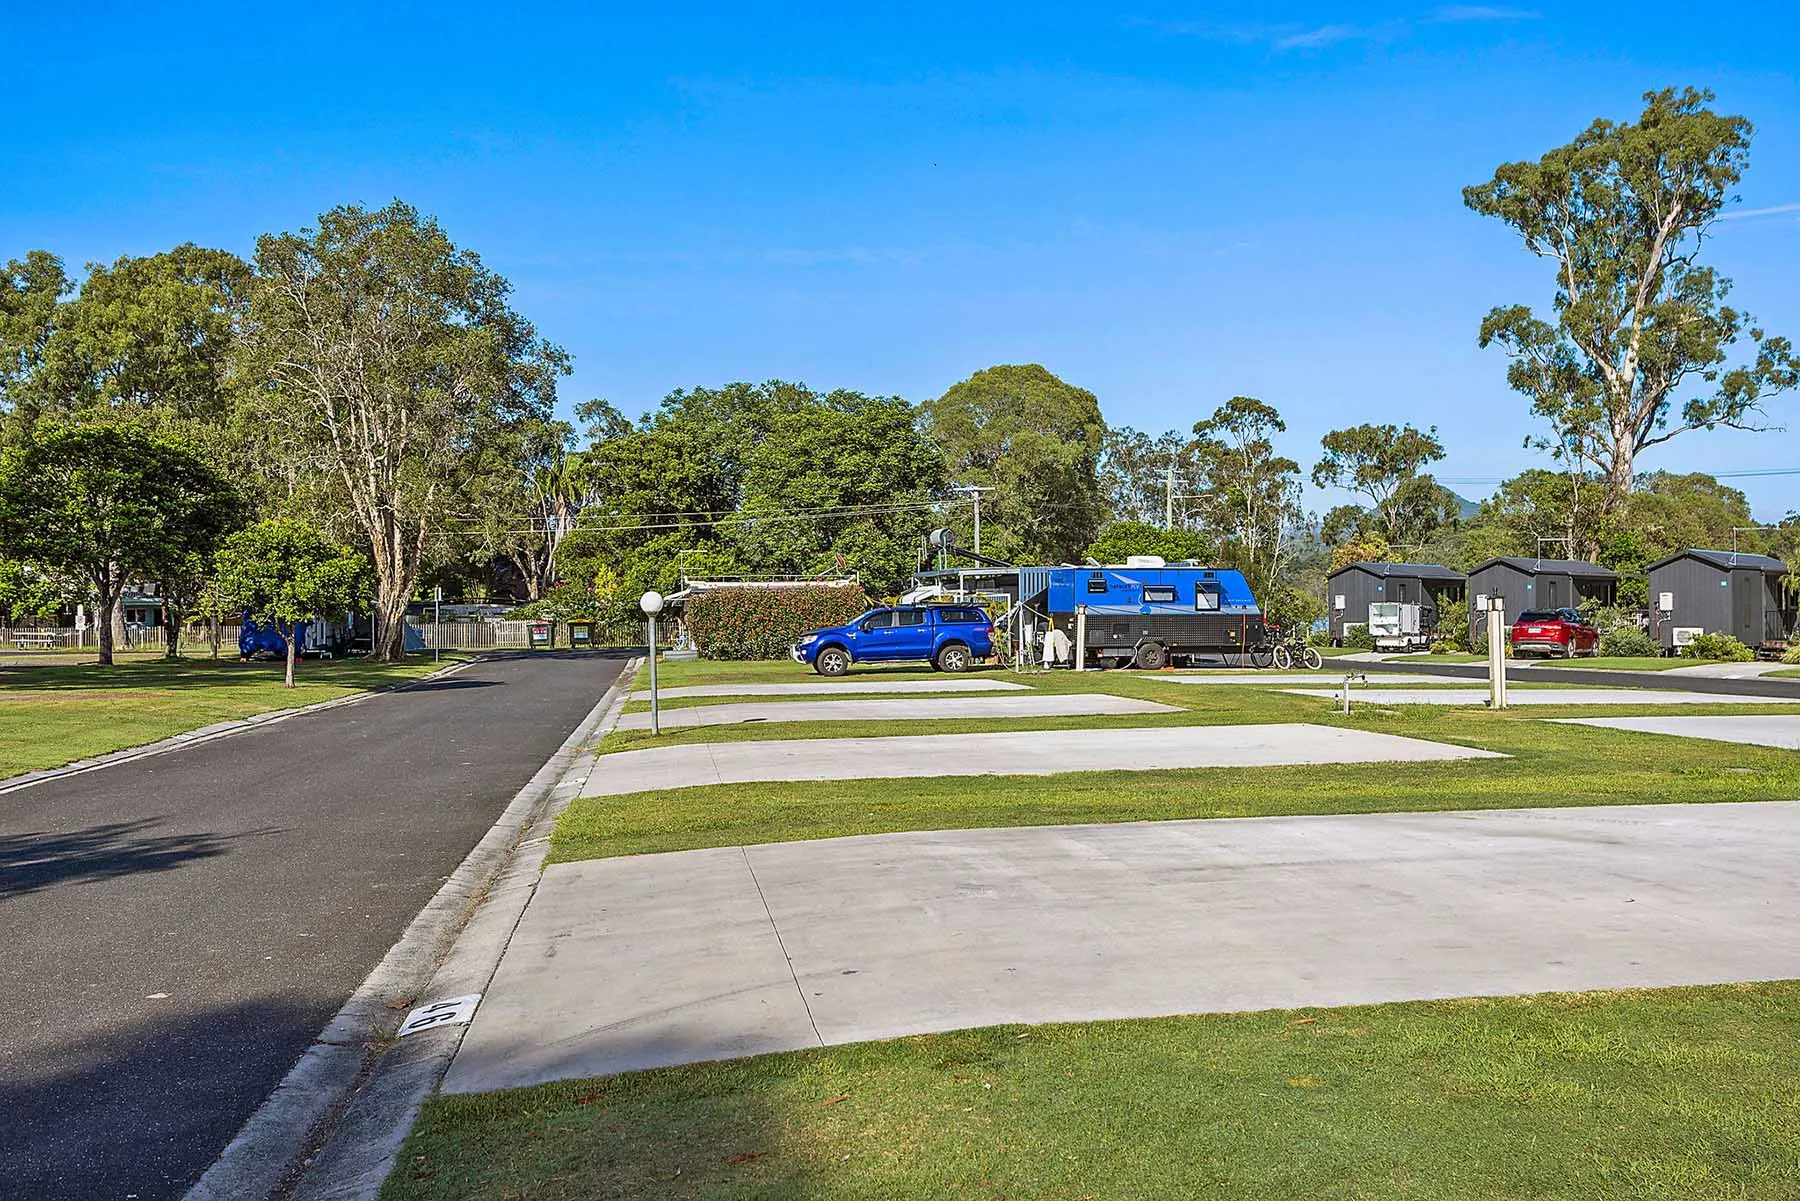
{"x":1657,"y":1095}
{"x":1200,"y":704}
{"x":51,"y":715}
{"x":1548,"y":766}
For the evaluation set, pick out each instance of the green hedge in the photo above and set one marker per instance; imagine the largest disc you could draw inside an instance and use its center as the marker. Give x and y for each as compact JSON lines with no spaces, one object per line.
{"x":762,"y":623}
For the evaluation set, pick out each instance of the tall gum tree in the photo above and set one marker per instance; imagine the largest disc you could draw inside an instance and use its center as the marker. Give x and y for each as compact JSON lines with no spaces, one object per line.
{"x":1640,"y":343}
{"x":393,"y":361}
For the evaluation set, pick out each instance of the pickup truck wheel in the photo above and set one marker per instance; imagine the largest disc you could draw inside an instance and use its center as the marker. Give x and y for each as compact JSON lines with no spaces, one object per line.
{"x":954,"y":657}
{"x":1151,"y":656}
{"x":832,"y":661}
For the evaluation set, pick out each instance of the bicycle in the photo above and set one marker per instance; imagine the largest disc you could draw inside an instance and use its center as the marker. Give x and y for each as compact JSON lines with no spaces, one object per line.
{"x":1285,"y":651}
{"x":1294,"y":650}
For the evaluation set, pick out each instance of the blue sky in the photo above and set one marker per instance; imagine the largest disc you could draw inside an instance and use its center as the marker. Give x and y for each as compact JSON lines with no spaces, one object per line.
{"x":1167,"y":204}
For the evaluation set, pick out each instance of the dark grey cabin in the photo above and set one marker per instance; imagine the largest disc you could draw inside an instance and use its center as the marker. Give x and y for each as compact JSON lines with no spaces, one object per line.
{"x":1721,"y":592}
{"x":1352,"y":588}
{"x":1538,"y":584}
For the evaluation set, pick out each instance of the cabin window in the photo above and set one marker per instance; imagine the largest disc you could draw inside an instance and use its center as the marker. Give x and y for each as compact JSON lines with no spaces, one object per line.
{"x":1206,"y":598}
{"x":1159,"y":594}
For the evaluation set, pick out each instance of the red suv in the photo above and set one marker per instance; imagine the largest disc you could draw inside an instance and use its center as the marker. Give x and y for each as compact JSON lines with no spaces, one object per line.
{"x":1559,"y":632}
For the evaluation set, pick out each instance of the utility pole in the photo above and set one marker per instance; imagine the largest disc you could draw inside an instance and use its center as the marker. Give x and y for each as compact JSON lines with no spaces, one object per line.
{"x":976,"y":492}
{"x":1169,"y":500}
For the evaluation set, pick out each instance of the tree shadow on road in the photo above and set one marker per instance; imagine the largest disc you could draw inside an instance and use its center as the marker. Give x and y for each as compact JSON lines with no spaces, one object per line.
{"x":142,"y":1108}
{"x":34,"y":861}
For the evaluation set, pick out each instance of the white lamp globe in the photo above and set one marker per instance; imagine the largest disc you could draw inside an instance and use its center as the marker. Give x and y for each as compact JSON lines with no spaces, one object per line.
{"x":651,"y":603}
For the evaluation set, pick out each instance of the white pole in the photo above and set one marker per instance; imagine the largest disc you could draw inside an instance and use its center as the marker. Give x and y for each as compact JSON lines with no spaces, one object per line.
{"x":1497,"y":632}
{"x":1080,"y":637}
{"x":978,"y":521}
{"x":1169,"y":501}
{"x":437,"y":624}
{"x":655,"y":715}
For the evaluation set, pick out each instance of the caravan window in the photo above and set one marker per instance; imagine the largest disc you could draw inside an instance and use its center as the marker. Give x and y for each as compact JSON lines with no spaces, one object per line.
{"x":1206,"y":597}
{"x":1159,"y":594}
{"x":1097,"y":586}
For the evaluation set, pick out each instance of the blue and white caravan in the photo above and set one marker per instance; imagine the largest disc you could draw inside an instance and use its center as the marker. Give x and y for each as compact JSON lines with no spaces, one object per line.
{"x":1147,"y":614}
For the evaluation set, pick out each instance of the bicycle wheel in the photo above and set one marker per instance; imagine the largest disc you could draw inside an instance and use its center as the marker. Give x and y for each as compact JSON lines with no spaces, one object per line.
{"x":1261,"y":656}
{"x":1314,"y":660}
{"x":1283,"y":659}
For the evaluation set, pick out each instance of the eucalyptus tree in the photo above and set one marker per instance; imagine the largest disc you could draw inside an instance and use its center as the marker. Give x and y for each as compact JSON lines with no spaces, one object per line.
{"x":1385,"y":465}
{"x":391,"y":360}
{"x":1144,"y":478}
{"x":1639,"y":345}
{"x":1250,"y":495}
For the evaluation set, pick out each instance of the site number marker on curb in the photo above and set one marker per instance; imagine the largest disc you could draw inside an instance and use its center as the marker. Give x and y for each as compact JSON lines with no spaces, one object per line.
{"x":457,"y":1011}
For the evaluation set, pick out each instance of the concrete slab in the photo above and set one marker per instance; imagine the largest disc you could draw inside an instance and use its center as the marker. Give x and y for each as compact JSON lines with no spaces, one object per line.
{"x":642,"y":962}
{"x":1028,"y":704}
{"x":826,"y":687}
{"x":1777,"y":731}
{"x":1273,"y":679}
{"x":1013,"y":753}
{"x":1728,"y":671}
{"x":1543,"y":696}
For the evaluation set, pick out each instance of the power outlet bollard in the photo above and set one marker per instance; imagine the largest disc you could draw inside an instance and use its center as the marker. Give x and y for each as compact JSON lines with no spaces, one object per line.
{"x":1495,"y":608}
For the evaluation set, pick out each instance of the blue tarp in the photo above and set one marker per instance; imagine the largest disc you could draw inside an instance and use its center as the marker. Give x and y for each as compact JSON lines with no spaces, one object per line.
{"x":256,"y":639}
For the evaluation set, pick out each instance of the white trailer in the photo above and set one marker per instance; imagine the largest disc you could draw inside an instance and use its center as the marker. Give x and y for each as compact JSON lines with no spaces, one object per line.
{"x":1398,"y":627}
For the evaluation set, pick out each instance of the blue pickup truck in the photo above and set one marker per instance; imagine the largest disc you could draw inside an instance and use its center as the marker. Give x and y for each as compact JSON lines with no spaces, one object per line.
{"x":949,"y":637}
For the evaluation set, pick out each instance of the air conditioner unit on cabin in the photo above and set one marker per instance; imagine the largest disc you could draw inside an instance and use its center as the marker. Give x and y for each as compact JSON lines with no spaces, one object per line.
{"x":1686,"y":634}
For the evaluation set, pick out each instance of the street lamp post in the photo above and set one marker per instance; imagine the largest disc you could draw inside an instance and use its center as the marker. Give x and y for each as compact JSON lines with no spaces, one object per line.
{"x":652,"y":603}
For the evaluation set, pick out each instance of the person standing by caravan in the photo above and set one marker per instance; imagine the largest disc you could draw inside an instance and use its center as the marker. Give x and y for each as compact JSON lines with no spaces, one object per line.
{"x":1056,"y":646}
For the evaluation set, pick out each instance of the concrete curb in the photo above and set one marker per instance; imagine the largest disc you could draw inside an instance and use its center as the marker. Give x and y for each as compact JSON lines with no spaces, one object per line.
{"x":333,"y":1126}
{"x":218,"y":730}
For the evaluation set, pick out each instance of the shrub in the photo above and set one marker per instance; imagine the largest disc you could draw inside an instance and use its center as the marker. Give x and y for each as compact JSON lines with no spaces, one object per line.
{"x":1453,"y":627}
{"x":1445,"y":647}
{"x":1318,"y":636}
{"x":1357,"y":637}
{"x":1792,"y":654}
{"x":762,"y":623}
{"x":1718,"y":647}
{"x":1628,"y":642}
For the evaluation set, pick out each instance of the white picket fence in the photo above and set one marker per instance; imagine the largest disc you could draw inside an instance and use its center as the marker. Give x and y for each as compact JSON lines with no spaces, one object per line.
{"x":140,"y":638}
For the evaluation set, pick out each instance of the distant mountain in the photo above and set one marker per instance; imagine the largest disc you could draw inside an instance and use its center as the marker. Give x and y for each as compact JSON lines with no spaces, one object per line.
{"x":1465,"y":508}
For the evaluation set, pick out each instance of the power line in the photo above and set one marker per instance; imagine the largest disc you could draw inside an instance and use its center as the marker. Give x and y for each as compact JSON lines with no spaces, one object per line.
{"x":737,"y":517}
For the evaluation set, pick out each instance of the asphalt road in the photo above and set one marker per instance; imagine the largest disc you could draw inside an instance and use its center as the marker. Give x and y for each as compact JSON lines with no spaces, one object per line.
{"x":175,"y":931}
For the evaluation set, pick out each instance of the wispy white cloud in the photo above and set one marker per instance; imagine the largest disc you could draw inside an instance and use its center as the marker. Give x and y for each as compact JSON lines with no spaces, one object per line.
{"x":1449,"y":13}
{"x":1293,"y":36}
{"x":1324,"y":35}
{"x":1773,"y":210}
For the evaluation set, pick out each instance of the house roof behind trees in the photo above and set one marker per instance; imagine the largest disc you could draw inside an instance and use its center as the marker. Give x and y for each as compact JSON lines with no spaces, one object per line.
{"x":1578,"y":568}
{"x":1423,"y":571}
{"x":1725,"y":560}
